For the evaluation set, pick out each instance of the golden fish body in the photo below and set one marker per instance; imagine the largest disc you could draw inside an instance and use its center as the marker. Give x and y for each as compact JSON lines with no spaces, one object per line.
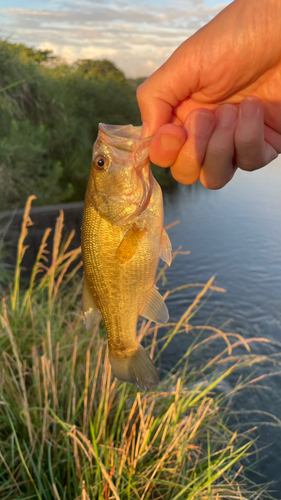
{"x":122,"y":239}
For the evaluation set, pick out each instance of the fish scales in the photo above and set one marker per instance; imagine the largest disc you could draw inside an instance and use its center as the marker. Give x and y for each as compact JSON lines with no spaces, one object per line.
{"x":109,"y":282}
{"x":121,"y":247}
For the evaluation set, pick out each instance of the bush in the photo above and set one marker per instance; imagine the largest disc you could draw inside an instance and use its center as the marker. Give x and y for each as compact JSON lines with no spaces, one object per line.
{"x":49,"y":122}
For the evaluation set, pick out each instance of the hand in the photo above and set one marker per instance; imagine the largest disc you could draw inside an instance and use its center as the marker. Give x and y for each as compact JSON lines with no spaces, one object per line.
{"x":234,"y":59}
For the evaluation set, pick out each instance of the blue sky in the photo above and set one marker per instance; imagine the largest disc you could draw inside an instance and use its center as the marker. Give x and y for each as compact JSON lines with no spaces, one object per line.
{"x":137,"y":35}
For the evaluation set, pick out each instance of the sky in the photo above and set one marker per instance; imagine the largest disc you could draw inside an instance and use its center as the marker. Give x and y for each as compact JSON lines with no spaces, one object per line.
{"x":137,"y":35}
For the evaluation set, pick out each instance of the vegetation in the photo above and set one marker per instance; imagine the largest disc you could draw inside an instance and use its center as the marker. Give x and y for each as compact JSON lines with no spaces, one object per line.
{"x":69,"y":430}
{"x":6,"y":274}
{"x":49,"y":121}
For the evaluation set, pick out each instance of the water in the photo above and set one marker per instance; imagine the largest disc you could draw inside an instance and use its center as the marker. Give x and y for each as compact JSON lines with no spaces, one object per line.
{"x":234,"y":234}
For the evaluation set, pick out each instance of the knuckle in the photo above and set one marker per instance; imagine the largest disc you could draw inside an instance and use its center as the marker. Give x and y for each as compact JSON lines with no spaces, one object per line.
{"x":221,"y":146}
{"x":219,"y":151}
{"x":190,"y":157}
{"x":246,"y":167}
{"x":247,"y":143}
{"x":141,"y":93}
{"x":189,"y":166}
{"x":212,"y":183}
{"x":219,"y":154}
{"x":184,"y":177}
{"x":254,"y":159}
{"x":248,"y":153}
{"x":247,"y":162}
{"x":160,"y":160}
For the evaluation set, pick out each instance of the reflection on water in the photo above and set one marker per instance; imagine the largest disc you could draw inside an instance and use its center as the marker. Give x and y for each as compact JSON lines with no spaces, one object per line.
{"x":234,"y":234}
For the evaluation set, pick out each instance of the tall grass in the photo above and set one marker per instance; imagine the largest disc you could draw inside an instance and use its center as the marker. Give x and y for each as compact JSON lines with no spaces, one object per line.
{"x":69,"y":430}
{"x":5,"y":268}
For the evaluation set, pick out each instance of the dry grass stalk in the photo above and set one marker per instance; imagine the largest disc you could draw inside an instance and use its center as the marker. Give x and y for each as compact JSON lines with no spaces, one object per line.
{"x":72,"y":431}
{"x":26,"y":222}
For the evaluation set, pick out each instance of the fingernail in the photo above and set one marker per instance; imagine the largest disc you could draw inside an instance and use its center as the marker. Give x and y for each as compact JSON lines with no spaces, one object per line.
{"x":227,"y":115}
{"x":249,"y":107}
{"x":200,"y":123}
{"x":144,"y":130}
{"x":170,"y":141}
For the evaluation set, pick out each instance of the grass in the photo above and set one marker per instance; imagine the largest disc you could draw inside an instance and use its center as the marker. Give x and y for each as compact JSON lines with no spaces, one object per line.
{"x":5,"y":269}
{"x":69,"y":430}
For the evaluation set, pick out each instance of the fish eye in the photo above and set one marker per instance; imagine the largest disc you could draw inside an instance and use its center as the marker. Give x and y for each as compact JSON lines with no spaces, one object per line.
{"x":100,"y":162}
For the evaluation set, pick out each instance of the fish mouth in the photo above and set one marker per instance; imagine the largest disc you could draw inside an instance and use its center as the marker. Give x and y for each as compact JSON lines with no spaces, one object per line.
{"x":121,"y":131}
{"x":126,"y":137}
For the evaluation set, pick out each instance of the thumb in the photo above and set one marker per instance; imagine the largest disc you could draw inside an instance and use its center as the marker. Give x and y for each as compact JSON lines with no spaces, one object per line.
{"x":155,"y":110}
{"x":201,"y":61}
{"x":164,"y":89}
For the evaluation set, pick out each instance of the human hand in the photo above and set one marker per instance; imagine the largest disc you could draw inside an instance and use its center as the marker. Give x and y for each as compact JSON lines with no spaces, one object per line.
{"x":235,"y":56}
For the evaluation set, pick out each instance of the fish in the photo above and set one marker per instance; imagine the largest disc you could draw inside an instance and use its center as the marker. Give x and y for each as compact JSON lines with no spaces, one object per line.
{"x":122,"y":240}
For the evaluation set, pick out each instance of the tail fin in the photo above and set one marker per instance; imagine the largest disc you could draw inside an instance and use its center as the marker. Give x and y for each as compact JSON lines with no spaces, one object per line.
{"x":137,"y":369}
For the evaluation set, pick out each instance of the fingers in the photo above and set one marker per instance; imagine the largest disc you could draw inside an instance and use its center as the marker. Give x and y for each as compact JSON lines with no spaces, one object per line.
{"x":199,"y":126}
{"x":238,"y":141}
{"x":273,"y":138}
{"x":166,"y":144}
{"x":218,"y":166}
{"x":211,"y":146}
{"x":239,"y":138}
{"x":252,"y":150}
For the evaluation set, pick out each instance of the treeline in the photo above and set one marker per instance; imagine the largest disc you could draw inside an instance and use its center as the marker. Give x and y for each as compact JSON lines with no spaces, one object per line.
{"x":49,"y":115}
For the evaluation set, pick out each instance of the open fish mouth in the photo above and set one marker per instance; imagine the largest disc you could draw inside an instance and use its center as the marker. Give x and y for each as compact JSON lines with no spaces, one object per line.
{"x":126,"y":137}
{"x":123,"y":132}
{"x":122,"y":191}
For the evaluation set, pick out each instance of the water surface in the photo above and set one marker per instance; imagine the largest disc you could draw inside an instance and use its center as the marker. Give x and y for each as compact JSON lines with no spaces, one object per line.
{"x":235,"y":234}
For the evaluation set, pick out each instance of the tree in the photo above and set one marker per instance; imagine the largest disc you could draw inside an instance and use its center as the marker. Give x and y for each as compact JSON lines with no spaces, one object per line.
{"x":98,"y":69}
{"x":49,"y":122}
{"x":29,"y":54}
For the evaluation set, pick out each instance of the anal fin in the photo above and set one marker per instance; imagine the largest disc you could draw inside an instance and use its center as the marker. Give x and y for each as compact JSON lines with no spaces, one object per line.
{"x":155,"y":308}
{"x":91,"y":314}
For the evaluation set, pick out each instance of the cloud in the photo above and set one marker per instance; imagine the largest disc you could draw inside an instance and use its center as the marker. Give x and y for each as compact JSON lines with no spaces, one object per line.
{"x":136,"y":35}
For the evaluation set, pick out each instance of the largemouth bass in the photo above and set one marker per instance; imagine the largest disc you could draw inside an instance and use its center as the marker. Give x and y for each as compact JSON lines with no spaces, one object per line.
{"x":122,"y":240}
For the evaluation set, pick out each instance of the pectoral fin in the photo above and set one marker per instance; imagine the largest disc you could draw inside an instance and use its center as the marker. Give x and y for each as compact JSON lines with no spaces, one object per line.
{"x":130,"y":244}
{"x":91,"y":314}
{"x":166,"y":248}
{"x":155,"y":308}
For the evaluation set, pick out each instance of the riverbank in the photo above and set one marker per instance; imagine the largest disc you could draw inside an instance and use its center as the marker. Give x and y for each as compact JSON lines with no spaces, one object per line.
{"x":69,"y":429}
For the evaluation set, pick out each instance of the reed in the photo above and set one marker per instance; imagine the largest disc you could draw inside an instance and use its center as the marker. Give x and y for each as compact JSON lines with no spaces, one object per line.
{"x":5,"y":268}
{"x":69,"y":430}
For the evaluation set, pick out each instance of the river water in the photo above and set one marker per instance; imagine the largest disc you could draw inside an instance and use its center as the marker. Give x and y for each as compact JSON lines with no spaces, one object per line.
{"x":234,"y":234}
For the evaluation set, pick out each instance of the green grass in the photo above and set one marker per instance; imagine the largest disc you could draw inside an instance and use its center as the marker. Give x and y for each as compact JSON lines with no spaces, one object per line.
{"x":5,"y":269}
{"x":69,"y":430}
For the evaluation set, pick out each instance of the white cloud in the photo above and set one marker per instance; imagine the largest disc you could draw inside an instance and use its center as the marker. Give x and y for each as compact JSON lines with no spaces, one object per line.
{"x":137,"y":36}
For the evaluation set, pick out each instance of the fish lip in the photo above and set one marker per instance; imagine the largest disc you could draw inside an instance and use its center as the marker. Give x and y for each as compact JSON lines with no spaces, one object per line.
{"x":126,"y":135}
